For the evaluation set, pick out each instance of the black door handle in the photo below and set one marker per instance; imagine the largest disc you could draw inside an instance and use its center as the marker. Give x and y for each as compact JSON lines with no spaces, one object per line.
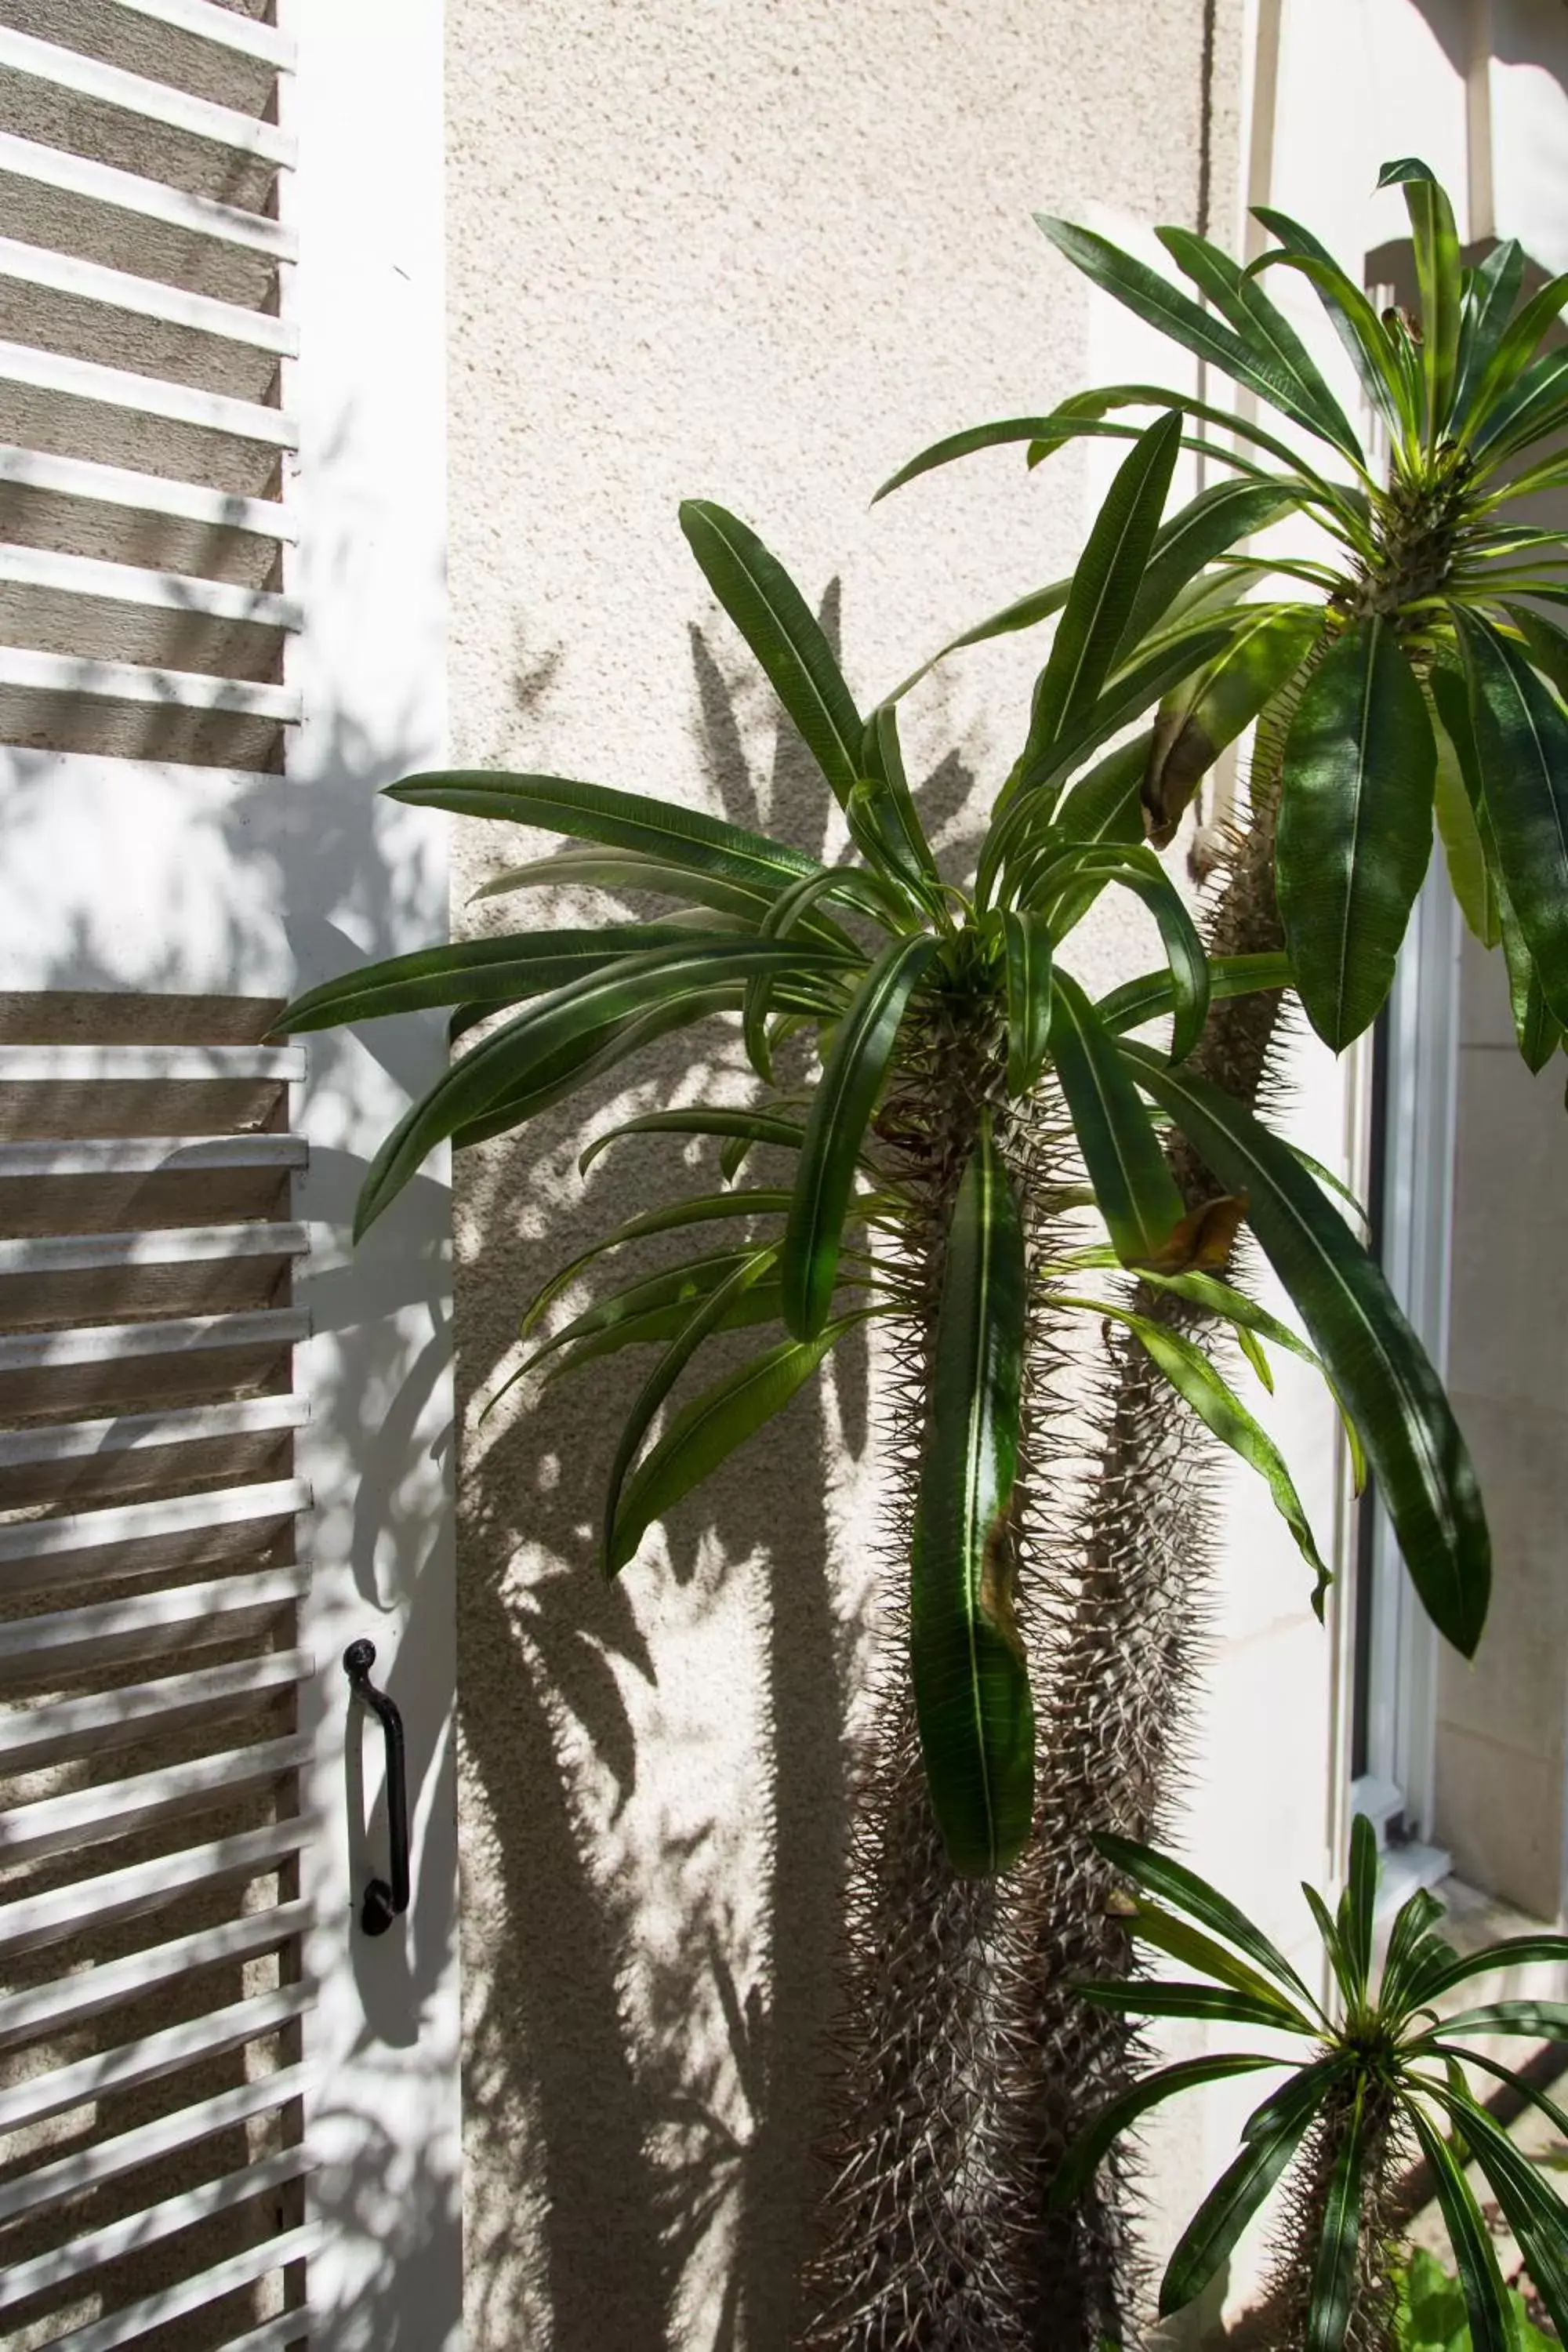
{"x":384,"y":1901}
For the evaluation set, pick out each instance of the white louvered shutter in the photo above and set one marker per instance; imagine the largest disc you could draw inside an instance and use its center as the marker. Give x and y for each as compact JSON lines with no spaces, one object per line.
{"x":226,"y":2120}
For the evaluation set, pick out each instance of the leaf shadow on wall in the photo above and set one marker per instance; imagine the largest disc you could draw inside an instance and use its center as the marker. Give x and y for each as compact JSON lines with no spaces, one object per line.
{"x":650,"y":1958}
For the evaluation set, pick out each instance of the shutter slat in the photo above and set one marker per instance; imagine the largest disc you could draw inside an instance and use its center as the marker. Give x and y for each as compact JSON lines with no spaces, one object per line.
{"x":33,"y":1921}
{"x":128,"y":191}
{"x":160,"y":1245}
{"x":33,"y":1736}
{"x":101,"y":1064}
{"x":138,"y":1523}
{"x":146,"y":1620}
{"x":144,"y":298}
{"x":154,"y":101}
{"x":122,"y":1808}
{"x":146,"y":2061}
{"x":148,"y":395}
{"x":68,"y":2264}
{"x":71,"y":2001}
{"x":146,"y":1155}
{"x":68,"y":2175}
{"x":109,"y":1343}
{"x":110,"y":681}
{"x":70,"y":1441}
{"x":224,"y":26}
{"x":224,"y":2278}
{"x":118,"y":486}
{"x":131,"y":583}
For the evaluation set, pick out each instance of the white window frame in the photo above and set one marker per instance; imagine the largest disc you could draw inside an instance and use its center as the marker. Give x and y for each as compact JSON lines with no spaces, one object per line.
{"x":1395,"y":1791}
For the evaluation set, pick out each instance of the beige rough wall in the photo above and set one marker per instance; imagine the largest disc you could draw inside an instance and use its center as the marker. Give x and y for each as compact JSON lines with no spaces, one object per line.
{"x":761,"y":251}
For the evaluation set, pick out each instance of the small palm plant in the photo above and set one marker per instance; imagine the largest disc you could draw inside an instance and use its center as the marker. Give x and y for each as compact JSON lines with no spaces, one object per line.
{"x":940,"y":1038}
{"x":1417,"y":665}
{"x":1382,"y":2079}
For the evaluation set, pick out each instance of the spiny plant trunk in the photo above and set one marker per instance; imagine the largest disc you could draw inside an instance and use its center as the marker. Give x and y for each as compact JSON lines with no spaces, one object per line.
{"x":926,"y":2220}
{"x":1117,"y":1688}
{"x":1299,"y":2232}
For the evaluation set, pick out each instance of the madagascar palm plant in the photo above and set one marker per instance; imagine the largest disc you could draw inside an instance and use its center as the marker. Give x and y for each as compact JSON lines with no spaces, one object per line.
{"x":1381,"y":2079}
{"x":962,"y":1105}
{"x":1403,"y":664}
{"x":1411,"y":664}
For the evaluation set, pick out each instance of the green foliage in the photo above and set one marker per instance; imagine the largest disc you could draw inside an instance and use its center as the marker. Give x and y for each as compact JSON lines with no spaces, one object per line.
{"x":1430,"y":2313}
{"x":931,"y":1014}
{"x":1382,"y":2053}
{"x":1427,"y":570}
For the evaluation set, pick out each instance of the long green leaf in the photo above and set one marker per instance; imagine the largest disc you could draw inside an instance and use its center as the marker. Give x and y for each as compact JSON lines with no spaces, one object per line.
{"x":581,"y":1058}
{"x":703,"y":1120}
{"x":679,"y":1287}
{"x":1137,"y":869}
{"x":1168,"y":1997}
{"x":655,"y":1327}
{"x":1409,"y":1936}
{"x":1239,"y":298}
{"x":1523,"y":737}
{"x":1210,"y":709}
{"x":1354,"y":321}
{"x":1173,"y":1882}
{"x":1027,"y":940}
{"x":1376,"y":1363}
{"x":883,"y":764}
{"x":1532,"y":412}
{"x":1538,"y":2021}
{"x":622,"y":870}
{"x":1496,"y":289}
{"x":1486,"y":2300}
{"x":1529,"y":2094}
{"x":1164,"y":662}
{"x":1533,"y":2211}
{"x":791,"y":912}
{"x":707,"y":1430}
{"x":1221,"y":1411}
{"x":1182,"y":1941}
{"x":1214,"y":2228}
{"x":1106,"y":581}
{"x":661,"y":830}
{"x":842,"y":1106}
{"x":539,"y":1043}
{"x":1338,"y":2238}
{"x":706,"y":1318}
{"x":1163,"y":305}
{"x":703,"y":1209}
{"x":1459,"y":825}
{"x":784,"y":635}
{"x":477,"y":971}
{"x":1136,"y":1191}
{"x":1151,"y":995}
{"x":1355,"y":827}
{"x":1437,"y":277}
{"x":1208,"y":527}
{"x":1515,"y":348}
{"x":972,"y":1694}
{"x":1314,"y":2080}
{"x":1513,"y":1952}
{"x":1081,"y":2161}
{"x":1361,"y":1901}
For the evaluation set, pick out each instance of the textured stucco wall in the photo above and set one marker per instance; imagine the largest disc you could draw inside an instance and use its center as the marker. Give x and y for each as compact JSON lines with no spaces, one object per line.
{"x":759,"y":252}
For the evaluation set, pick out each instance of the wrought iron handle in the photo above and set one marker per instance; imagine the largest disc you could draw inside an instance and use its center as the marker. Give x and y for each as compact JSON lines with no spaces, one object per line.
{"x":384,"y":1901}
